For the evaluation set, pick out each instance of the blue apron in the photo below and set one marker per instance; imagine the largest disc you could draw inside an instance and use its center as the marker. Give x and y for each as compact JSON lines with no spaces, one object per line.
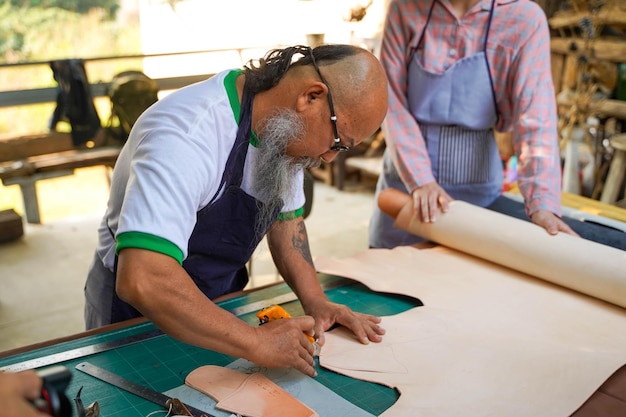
{"x":456,"y":111}
{"x":225,"y":234}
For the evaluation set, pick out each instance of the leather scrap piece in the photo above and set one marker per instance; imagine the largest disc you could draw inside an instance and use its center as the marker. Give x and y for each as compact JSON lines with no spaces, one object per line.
{"x":251,"y":395}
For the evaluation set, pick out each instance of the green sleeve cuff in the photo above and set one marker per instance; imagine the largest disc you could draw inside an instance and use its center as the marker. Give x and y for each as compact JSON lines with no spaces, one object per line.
{"x":290,"y":215}
{"x":149,"y":242}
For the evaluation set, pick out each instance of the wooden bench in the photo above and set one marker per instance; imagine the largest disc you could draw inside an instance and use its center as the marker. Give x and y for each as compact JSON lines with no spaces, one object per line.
{"x":28,"y":159}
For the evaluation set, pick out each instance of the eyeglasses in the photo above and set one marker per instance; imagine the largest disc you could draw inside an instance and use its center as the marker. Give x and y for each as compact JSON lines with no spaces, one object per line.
{"x":337,"y":146}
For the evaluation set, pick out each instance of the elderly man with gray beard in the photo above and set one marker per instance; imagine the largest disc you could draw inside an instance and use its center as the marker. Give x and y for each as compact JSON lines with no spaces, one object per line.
{"x":211,"y":169}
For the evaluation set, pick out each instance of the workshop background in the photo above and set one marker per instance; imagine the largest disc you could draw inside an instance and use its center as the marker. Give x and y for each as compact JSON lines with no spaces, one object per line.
{"x":44,"y":259}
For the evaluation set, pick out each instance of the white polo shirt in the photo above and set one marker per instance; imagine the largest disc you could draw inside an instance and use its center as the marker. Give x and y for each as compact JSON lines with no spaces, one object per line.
{"x":171,"y":167}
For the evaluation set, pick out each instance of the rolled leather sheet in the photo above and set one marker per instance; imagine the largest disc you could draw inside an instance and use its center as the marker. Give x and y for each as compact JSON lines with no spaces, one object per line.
{"x":575,"y":263}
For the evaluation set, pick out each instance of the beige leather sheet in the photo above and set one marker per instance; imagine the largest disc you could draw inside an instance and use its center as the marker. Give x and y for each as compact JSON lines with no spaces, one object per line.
{"x":489,"y":340}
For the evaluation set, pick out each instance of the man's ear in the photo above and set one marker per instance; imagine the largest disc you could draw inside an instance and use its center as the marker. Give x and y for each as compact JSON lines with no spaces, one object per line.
{"x":312,"y":95}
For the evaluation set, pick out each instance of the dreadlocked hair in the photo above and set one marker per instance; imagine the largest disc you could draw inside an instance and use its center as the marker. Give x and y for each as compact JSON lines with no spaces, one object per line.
{"x":265,"y":73}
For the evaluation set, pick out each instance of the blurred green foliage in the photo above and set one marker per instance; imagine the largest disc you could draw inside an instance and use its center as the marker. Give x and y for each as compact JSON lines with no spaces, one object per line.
{"x":29,"y":30}
{"x":41,"y":34}
{"x":78,"y":6}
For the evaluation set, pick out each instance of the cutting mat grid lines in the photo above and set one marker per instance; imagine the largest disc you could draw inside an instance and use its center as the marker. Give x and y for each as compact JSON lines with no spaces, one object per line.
{"x":162,"y":362}
{"x":374,"y":398}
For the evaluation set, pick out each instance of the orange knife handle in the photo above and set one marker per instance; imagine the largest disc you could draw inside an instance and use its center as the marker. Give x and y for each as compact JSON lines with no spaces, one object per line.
{"x":275,"y":312}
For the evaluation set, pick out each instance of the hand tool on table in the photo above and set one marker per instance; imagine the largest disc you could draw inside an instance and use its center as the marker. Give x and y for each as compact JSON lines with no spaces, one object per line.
{"x":53,"y":401}
{"x":175,"y":406}
{"x":92,"y":410}
{"x":276,"y":312}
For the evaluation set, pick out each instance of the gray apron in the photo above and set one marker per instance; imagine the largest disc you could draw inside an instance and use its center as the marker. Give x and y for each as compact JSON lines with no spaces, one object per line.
{"x":456,"y":111}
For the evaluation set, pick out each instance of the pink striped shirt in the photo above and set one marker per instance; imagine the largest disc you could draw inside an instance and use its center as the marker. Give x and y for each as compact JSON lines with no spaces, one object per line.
{"x":518,"y":51}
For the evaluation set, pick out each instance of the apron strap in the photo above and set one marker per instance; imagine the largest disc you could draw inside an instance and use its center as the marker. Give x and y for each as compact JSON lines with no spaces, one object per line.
{"x":419,"y":42}
{"x":493,"y":90}
{"x":238,"y":153}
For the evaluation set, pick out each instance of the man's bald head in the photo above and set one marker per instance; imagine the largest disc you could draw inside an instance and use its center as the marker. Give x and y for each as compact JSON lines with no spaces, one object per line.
{"x":343,"y":81}
{"x":358,"y":84}
{"x":356,"y":79}
{"x":352,"y":73}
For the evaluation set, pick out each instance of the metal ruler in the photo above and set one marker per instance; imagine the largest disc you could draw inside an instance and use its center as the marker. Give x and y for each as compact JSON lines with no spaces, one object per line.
{"x":134,"y":388}
{"x":81,"y":352}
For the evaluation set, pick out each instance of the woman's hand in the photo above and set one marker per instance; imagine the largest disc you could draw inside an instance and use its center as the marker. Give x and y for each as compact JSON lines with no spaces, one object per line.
{"x":429,"y":201}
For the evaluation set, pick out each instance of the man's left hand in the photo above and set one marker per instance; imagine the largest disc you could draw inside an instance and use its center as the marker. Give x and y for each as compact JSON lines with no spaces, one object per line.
{"x":326,"y":314}
{"x":552,"y":223}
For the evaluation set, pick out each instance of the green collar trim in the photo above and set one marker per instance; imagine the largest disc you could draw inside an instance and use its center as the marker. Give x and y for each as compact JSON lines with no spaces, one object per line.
{"x":230,"y":83}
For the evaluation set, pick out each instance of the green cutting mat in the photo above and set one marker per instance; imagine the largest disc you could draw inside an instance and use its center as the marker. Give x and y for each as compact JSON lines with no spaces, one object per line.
{"x":162,"y":363}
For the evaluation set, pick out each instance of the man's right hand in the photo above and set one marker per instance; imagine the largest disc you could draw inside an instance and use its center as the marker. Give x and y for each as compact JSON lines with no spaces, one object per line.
{"x":284,"y":344}
{"x":429,"y":201}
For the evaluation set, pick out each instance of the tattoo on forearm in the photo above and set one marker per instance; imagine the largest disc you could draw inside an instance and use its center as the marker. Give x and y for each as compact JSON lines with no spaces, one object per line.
{"x":300,"y":242}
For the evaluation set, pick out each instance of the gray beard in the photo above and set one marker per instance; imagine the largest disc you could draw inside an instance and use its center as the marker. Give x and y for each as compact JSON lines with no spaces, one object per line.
{"x":274,"y":169}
